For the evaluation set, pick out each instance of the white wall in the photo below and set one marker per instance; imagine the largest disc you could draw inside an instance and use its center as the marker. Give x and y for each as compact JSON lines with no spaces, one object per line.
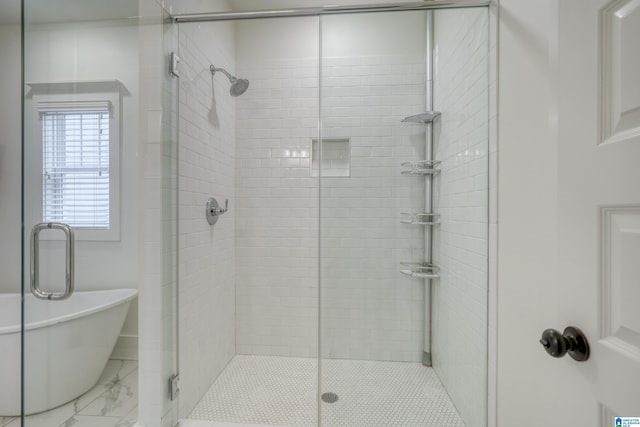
{"x":461,"y":84}
{"x":528,"y":183}
{"x":206,"y":169}
{"x":373,"y":76}
{"x":277,"y":200}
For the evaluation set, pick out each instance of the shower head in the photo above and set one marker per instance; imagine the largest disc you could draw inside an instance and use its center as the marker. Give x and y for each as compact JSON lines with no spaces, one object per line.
{"x":238,"y":86}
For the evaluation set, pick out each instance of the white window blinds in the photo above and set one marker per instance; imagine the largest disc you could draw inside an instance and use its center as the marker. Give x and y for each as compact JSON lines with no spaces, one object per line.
{"x":76,"y":144}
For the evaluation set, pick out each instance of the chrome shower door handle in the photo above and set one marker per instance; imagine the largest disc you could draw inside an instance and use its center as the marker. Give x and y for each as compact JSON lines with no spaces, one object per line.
{"x":35,"y":261}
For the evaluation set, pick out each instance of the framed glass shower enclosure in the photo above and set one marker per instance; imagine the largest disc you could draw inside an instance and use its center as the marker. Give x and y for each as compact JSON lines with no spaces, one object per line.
{"x":338,"y":147}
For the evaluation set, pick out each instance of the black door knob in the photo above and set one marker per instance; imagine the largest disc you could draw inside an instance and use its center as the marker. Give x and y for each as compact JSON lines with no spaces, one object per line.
{"x":572,"y":341}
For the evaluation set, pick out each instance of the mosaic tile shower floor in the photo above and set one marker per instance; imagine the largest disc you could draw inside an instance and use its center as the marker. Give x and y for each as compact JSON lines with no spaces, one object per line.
{"x":281,"y":391}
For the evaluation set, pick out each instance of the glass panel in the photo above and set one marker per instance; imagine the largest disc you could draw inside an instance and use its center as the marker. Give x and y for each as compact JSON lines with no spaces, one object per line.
{"x":169,"y":227}
{"x":248,"y":284}
{"x":10,"y":211}
{"x":380,"y":329}
{"x":86,"y":358}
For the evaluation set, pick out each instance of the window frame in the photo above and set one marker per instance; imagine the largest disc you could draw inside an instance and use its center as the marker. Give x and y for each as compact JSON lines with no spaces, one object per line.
{"x":58,"y":99}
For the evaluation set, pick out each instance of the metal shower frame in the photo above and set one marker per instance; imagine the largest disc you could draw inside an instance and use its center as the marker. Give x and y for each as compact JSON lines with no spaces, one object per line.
{"x":330,"y":10}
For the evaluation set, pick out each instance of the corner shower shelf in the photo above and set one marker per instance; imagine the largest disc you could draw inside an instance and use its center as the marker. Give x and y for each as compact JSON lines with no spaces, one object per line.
{"x":424,"y":118}
{"x":421,"y":270}
{"x":421,"y":167}
{"x":420,"y":218}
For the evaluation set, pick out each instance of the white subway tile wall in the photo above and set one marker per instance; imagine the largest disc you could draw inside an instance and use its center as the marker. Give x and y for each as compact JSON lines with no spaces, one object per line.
{"x":277,"y":210}
{"x":461,"y":85}
{"x":206,"y":169}
{"x":369,"y":310}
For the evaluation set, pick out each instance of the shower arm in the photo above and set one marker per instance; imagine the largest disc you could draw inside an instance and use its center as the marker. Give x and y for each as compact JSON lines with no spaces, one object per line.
{"x":214,"y":70}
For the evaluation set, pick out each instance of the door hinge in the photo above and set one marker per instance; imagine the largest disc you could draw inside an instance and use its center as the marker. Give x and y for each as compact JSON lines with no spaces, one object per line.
{"x":174,"y":61}
{"x":174,"y":391}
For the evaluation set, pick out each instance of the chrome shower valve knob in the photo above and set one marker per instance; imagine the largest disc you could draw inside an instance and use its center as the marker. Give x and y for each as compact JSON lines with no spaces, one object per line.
{"x":213,"y":210}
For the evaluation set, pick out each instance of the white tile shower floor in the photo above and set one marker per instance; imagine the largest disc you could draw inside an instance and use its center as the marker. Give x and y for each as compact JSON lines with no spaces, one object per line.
{"x":113,"y":402}
{"x":281,"y":391}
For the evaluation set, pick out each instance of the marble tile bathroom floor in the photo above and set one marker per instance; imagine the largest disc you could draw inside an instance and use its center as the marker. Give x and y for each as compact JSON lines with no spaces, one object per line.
{"x":112,"y":402}
{"x":281,"y":392}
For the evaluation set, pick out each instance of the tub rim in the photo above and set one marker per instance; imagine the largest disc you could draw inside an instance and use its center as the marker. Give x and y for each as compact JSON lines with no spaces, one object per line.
{"x":128,"y":294}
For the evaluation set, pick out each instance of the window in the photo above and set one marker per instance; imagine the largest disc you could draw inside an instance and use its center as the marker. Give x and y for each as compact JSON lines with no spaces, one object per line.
{"x":75,"y":147}
{"x":77,"y":138}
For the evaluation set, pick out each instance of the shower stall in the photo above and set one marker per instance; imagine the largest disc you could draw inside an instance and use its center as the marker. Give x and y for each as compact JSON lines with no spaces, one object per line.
{"x":298,"y":198}
{"x":347,"y":282}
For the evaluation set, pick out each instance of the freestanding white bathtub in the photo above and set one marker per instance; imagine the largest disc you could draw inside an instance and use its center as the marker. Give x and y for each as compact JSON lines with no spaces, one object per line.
{"x":67,"y":345}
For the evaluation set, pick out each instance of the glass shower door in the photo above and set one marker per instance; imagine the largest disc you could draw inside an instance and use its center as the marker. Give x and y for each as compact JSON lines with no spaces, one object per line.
{"x":403,"y":238}
{"x":92,"y":172}
{"x":371,"y":316}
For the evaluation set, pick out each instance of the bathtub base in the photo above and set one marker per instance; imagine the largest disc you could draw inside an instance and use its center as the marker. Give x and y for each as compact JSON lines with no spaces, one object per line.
{"x":63,"y":360}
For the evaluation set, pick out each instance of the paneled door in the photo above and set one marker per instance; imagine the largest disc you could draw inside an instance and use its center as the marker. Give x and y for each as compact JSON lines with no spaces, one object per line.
{"x":586,"y":271}
{"x":598,"y":195}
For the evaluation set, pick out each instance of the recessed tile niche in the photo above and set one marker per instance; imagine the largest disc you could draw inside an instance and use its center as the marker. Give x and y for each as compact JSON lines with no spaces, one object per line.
{"x":334,"y":155}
